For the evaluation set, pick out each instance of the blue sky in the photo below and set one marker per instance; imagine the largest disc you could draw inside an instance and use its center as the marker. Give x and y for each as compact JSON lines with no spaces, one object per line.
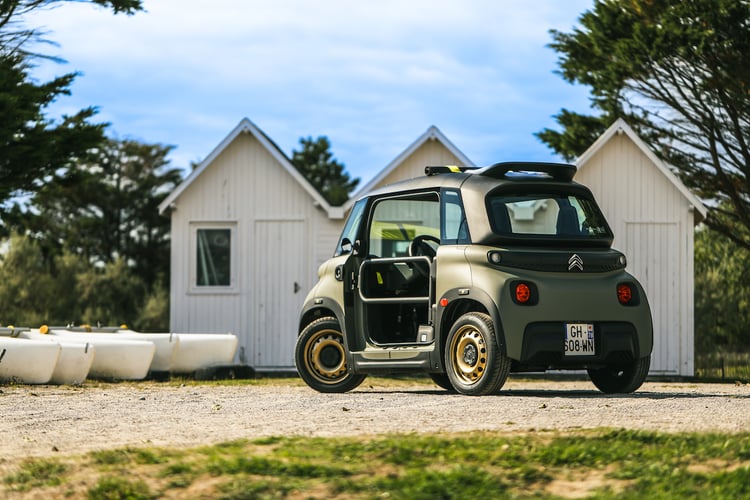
{"x":372,"y":76}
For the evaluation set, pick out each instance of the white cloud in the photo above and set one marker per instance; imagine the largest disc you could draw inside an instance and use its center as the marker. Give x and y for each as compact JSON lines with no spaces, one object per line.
{"x":370,"y":75}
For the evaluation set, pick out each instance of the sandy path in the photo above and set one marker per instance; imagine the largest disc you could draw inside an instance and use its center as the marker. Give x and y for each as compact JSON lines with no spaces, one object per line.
{"x":49,"y":420}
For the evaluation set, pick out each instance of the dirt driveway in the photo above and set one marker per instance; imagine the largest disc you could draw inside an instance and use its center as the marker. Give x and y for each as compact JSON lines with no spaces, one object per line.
{"x":50,"y":420}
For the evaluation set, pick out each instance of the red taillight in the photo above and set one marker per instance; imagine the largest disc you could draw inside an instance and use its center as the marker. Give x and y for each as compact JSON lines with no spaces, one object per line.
{"x":624,"y":293}
{"x":523,"y":293}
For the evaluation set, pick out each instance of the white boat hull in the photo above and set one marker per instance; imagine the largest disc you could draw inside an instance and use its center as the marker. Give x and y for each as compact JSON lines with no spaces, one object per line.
{"x":27,"y":361}
{"x":166,"y":344}
{"x":75,"y":359}
{"x":121,"y":359}
{"x":195,"y":351}
{"x":74,"y":364}
{"x":203,"y":350}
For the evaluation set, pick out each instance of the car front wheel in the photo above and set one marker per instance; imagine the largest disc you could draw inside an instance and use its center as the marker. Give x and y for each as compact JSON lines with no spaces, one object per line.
{"x":474,"y":362}
{"x":321,"y":357}
{"x":621,"y":379}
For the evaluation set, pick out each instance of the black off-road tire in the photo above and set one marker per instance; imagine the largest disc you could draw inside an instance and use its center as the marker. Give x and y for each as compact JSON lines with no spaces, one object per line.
{"x":474,"y":362}
{"x":621,"y":379}
{"x":320,"y":356}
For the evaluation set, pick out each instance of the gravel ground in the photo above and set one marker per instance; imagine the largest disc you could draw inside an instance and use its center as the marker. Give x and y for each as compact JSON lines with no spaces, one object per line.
{"x":50,"y":420}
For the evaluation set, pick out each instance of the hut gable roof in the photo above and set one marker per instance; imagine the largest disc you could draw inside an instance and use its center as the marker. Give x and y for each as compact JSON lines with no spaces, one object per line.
{"x":621,"y":127}
{"x":431,"y":134}
{"x":246,"y":126}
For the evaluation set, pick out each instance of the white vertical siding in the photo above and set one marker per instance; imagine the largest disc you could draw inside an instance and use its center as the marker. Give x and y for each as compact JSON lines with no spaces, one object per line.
{"x":653,"y":225}
{"x":687,"y":337}
{"x":658,"y":268}
{"x":324,"y":238}
{"x":244,"y":184}
{"x":281,"y":283}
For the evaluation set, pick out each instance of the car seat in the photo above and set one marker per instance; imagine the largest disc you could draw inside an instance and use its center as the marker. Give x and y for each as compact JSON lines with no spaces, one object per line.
{"x":567,"y":221}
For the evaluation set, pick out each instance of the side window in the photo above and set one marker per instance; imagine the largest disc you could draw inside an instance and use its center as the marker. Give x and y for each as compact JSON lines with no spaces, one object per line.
{"x":213,"y":257}
{"x":455,"y":229}
{"x":351,"y":228}
{"x":396,"y":222}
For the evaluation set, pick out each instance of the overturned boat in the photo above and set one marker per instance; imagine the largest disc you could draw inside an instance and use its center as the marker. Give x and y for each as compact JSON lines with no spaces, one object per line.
{"x":75,"y":359}
{"x":26,"y":361}
{"x":178,"y":353}
{"x":198,"y":351}
{"x":166,"y":343}
{"x":194,"y":351}
{"x":116,"y":358}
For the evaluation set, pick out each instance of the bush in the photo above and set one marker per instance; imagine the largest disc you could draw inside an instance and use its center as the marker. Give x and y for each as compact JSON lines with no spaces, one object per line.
{"x":722,"y":294}
{"x":70,"y":290}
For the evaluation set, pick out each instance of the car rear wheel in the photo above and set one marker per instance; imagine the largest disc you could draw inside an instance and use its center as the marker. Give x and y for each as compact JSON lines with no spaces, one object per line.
{"x":442,"y":381}
{"x":320,"y":356}
{"x":621,"y":379}
{"x":474,"y":362}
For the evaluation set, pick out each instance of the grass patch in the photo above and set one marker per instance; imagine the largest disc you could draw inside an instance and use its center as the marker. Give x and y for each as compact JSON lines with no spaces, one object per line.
{"x":36,"y":474}
{"x":126,"y":456}
{"x":111,"y":487}
{"x":583,"y":464}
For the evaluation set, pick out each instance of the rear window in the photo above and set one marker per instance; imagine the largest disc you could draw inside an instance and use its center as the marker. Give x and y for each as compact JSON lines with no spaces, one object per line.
{"x":547,"y":216}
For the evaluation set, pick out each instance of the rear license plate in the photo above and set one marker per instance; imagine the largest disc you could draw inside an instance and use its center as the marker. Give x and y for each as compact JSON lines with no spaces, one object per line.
{"x":579,"y":339}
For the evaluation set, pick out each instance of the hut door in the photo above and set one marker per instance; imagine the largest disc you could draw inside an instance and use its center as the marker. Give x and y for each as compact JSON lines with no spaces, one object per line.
{"x":655,"y":258}
{"x":280,"y":285}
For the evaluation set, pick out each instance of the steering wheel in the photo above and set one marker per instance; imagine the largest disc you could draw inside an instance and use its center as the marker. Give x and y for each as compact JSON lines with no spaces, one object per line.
{"x":419,"y":246}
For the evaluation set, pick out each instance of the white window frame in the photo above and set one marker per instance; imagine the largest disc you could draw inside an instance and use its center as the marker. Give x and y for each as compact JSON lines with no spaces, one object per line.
{"x":233,"y":286}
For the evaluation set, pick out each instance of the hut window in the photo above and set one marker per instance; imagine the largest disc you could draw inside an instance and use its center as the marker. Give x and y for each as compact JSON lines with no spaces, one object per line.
{"x":213,"y":257}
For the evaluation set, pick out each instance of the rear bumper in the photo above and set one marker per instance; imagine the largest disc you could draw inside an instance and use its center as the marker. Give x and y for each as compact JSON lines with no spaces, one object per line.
{"x":616,"y":343}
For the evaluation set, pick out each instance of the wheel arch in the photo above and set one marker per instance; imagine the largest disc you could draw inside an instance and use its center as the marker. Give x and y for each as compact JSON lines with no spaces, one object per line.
{"x":325,"y":307}
{"x":321,"y":307}
{"x":462,"y":303}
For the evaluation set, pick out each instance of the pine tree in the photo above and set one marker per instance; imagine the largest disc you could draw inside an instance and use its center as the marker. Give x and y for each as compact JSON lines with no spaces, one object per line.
{"x":315,"y":161}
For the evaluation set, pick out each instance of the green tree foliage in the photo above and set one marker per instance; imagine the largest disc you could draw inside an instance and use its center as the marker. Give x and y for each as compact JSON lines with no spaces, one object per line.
{"x":722,"y":294}
{"x":95,"y":248}
{"x":32,"y":145}
{"x":111,"y":295}
{"x":315,"y":161}
{"x":678,"y":73}
{"x":68,"y":289}
{"x":153,"y":316}
{"x":30,"y":293}
{"x":105,"y":208}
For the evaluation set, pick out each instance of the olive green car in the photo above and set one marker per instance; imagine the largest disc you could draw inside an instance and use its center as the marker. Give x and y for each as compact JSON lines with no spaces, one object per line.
{"x":469,"y":274}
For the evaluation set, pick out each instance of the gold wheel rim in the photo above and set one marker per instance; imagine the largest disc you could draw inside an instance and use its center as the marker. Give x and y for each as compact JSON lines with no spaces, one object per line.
{"x":324,"y":356}
{"x":469,"y":355}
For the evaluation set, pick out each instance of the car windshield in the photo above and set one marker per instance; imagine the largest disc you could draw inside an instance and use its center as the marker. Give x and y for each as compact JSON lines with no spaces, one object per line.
{"x":547,"y":216}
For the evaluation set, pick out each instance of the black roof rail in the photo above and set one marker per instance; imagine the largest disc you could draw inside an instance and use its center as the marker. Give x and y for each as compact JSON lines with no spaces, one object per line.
{"x":558,"y":171}
{"x":445,"y":169}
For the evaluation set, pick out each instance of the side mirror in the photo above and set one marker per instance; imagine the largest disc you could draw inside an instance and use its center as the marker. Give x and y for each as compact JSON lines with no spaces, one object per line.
{"x":346,"y":246}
